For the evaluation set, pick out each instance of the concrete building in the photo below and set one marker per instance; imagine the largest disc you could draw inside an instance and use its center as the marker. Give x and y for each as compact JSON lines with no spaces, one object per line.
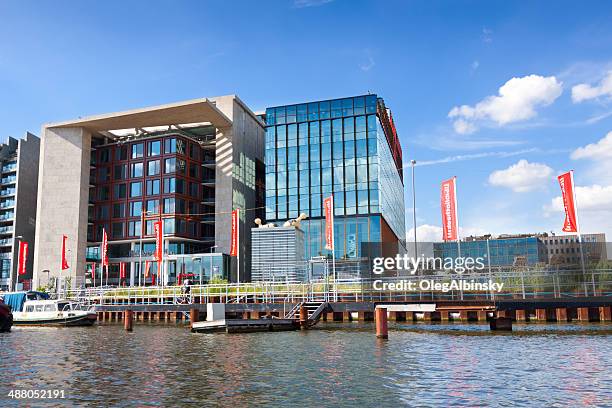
{"x":346,"y":147}
{"x":565,"y":249}
{"x":278,"y":254}
{"x":188,"y":163}
{"x":18,"y":188}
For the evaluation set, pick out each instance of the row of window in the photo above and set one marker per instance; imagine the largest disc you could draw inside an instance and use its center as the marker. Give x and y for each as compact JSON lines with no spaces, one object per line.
{"x":132,"y":229}
{"x":172,"y":185}
{"x":153,"y":168}
{"x":171,"y":205}
{"x":321,"y":131}
{"x":153,"y":148}
{"x":321,"y":110}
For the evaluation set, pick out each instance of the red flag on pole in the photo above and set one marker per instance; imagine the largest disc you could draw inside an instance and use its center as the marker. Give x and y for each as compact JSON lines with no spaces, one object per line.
{"x":328,"y":206}
{"x":93,"y":270}
{"x":159,"y":251}
{"x":104,"y":248}
{"x":147,"y":269}
{"x":448,"y":203}
{"x":566,"y":181}
{"x":23,"y":257}
{"x":122,"y":270}
{"x":64,"y":260}
{"x":234,"y":243}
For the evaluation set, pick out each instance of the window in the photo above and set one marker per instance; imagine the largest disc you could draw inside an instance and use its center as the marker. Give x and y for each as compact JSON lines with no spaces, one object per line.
{"x":120,"y":172}
{"x":134,"y":228}
{"x":153,"y":168}
{"x":104,"y":193}
{"x":170,"y":165}
{"x":172,"y":185}
{"x":135,"y":208}
{"x":117,"y":231}
{"x":137,"y":169}
{"x":169,"y":205}
{"x":103,"y":174}
{"x":118,"y":210}
{"x":137,"y":150}
{"x":136,"y":189}
{"x":121,"y":153}
{"x":119,"y":191}
{"x":104,"y":156}
{"x":155,"y":148}
{"x":153,"y":187}
{"x":170,"y":145}
{"x":152,"y":207}
{"x":193,"y":170}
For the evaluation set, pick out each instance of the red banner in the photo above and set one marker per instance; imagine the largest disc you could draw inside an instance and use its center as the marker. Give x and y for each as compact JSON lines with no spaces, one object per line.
{"x":328,"y":206}
{"x":159,"y":244}
{"x":93,"y":270}
{"x":566,"y":181}
{"x":448,"y":203}
{"x":104,"y":248}
{"x":23,"y":257}
{"x":122,"y":270}
{"x":64,"y":260}
{"x":234,"y":243}
{"x":147,"y":269}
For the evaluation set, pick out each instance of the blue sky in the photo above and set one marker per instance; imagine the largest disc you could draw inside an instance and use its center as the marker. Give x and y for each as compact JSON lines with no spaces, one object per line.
{"x":64,"y":59}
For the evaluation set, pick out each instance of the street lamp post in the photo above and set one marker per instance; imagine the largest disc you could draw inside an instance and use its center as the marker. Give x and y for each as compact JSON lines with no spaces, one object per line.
{"x":18,"y":238}
{"x":414,"y":226}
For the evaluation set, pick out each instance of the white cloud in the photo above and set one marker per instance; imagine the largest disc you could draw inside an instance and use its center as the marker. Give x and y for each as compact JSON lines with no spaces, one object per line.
{"x":522,"y":176}
{"x":368,"y":65}
{"x":584,"y":92}
{"x":487,"y":35}
{"x":310,"y":3}
{"x":517,"y":101}
{"x":475,"y":65}
{"x":602,"y":150}
{"x":591,"y":198}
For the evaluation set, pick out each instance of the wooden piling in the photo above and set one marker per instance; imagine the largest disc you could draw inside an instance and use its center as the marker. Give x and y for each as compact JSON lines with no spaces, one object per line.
{"x":127,"y":320}
{"x":194,"y":316}
{"x":303,"y":317}
{"x":605,"y":313}
{"x":382,"y":331}
{"x":583,"y":314}
{"x":561,"y":313}
{"x":541,"y":315}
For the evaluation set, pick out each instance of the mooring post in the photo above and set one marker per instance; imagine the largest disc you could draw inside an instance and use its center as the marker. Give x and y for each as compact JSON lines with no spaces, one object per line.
{"x":382,"y":331}
{"x":194,"y":315}
{"x":303,"y":317}
{"x":127,"y":320}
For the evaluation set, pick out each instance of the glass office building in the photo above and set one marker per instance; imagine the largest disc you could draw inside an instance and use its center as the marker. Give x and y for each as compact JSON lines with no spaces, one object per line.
{"x":504,"y":251}
{"x":346,"y":147}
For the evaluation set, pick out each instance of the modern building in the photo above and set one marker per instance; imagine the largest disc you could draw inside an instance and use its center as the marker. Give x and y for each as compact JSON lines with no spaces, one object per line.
{"x":565,"y":249}
{"x":278,"y":254}
{"x":346,"y":147}
{"x":504,"y":251}
{"x":188,"y":164}
{"x":18,"y":188}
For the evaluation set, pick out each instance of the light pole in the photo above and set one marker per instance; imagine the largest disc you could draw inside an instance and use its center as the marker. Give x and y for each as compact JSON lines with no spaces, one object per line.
{"x":18,"y":238}
{"x":414,"y":226}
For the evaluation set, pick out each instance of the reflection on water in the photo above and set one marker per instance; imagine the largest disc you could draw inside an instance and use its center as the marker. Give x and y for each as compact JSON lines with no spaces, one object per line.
{"x":427,"y":365}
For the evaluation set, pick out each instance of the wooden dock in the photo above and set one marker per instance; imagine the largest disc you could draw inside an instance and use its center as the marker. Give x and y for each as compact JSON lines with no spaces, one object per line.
{"x":245,"y":325}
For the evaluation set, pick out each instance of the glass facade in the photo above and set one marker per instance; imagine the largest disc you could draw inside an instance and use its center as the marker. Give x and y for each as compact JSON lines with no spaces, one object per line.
{"x":339,"y":147}
{"x":504,"y":252}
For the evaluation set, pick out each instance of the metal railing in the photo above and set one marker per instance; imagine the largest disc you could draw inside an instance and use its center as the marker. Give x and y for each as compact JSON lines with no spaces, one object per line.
{"x":516,"y":285}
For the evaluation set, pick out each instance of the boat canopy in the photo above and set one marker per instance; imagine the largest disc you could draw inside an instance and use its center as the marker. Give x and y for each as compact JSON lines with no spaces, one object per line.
{"x":16,"y":299}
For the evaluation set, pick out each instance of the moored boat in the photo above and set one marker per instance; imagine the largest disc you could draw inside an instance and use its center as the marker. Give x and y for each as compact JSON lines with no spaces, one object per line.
{"x":36,"y":309}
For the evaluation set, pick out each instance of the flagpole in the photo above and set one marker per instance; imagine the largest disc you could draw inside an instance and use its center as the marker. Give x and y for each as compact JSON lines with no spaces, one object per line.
{"x":238,"y":245}
{"x":586,"y":290}
{"x":457,"y":225}
{"x":333,"y":248}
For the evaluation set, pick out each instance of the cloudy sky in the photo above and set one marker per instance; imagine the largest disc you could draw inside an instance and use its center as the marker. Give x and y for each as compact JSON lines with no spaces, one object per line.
{"x":503,"y":95}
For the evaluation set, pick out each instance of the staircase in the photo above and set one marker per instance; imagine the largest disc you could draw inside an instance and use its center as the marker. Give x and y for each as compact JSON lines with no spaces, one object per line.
{"x":314,"y":310}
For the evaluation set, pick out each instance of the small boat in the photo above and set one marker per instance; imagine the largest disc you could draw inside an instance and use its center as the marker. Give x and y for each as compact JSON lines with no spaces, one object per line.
{"x":6,"y":318}
{"x":36,"y":309}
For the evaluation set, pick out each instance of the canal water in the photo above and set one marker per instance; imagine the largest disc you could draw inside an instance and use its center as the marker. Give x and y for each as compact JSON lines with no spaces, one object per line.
{"x":332,"y":365}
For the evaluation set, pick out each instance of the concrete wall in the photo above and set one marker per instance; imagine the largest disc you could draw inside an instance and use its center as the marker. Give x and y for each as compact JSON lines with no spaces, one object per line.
{"x":63,"y":195}
{"x":237,"y":150}
{"x":25,"y":209}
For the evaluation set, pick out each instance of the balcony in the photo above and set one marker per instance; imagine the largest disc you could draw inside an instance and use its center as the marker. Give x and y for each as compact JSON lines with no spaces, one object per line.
{"x":6,"y":242}
{"x":7,"y":192}
{"x":7,"y":168}
{"x":8,"y":180}
{"x":7,"y":204}
{"x":6,"y":230}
